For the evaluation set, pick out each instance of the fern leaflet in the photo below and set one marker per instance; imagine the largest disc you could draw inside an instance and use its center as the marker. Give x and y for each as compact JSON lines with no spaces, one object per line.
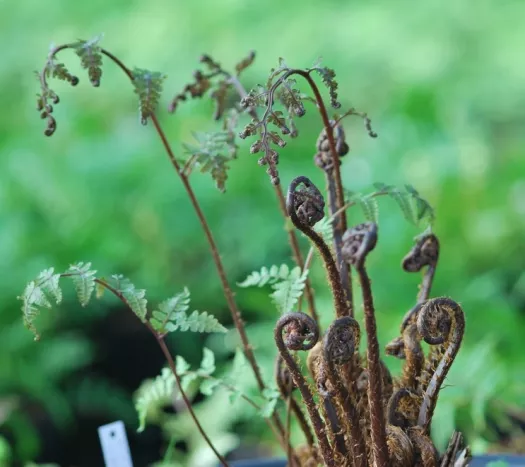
{"x":84,"y":279}
{"x":288,"y":285}
{"x":135,"y":298}
{"x":90,"y":58}
{"x":171,"y":315}
{"x":148,"y":86}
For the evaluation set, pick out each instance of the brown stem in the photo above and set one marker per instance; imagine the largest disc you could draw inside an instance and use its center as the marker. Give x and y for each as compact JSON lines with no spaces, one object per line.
{"x":451,"y":328}
{"x":341,"y":225}
{"x":292,"y":238}
{"x":339,"y":344}
{"x":375,"y":399}
{"x":298,"y":257}
{"x":303,"y":329}
{"x":340,"y":303}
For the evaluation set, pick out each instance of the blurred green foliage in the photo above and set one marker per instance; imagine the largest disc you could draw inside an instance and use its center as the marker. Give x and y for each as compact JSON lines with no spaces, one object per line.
{"x":443,"y":83}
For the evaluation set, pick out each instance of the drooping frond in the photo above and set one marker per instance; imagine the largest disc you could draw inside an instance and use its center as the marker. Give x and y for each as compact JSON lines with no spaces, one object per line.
{"x":367,"y":203}
{"x":90,"y":58}
{"x":328,"y":77}
{"x":84,"y":279}
{"x":148,"y":86}
{"x":287,"y":285}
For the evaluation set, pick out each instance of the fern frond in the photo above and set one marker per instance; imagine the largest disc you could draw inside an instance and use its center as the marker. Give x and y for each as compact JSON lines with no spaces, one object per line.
{"x":171,"y":315}
{"x":148,"y":86}
{"x":90,"y":58}
{"x":84,"y":280}
{"x":153,"y":395}
{"x":288,"y":285}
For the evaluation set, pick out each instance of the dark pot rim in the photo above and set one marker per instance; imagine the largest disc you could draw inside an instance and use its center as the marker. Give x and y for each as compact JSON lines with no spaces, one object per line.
{"x":512,"y":460}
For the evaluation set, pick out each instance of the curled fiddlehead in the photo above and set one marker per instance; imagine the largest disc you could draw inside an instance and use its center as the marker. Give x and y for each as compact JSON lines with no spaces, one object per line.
{"x":339,"y":345}
{"x":415,"y":358}
{"x":286,"y":386}
{"x":297,"y":331}
{"x":441,"y":321}
{"x":357,"y":243}
{"x":424,"y":253}
{"x":305,"y":206}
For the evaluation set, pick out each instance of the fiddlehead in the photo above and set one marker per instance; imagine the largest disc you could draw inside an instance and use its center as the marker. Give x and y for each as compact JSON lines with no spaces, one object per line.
{"x":357,"y":243}
{"x":440,"y":321}
{"x":302,"y":333}
{"x":400,"y":447}
{"x":339,"y":345}
{"x":424,"y":253}
{"x":415,"y":358}
{"x":305,"y":206}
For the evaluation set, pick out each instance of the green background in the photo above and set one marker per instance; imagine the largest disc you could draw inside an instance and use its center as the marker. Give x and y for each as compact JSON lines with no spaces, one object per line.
{"x":444,"y":84}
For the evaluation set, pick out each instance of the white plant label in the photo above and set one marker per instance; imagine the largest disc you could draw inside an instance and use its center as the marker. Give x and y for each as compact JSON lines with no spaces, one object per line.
{"x":115,"y":447}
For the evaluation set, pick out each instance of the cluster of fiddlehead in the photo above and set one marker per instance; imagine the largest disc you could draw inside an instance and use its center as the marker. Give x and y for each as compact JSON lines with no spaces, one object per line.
{"x":361,"y":415}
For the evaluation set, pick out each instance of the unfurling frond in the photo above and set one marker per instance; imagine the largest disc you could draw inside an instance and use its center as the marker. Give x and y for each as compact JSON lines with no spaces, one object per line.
{"x":148,"y":86}
{"x":84,"y":279}
{"x":171,"y":315}
{"x":287,"y":285}
{"x":90,"y":58}
{"x":328,"y":78}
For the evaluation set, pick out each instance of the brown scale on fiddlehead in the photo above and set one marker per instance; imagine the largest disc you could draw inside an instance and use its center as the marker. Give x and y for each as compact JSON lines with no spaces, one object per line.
{"x":426,"y":454}
{"x":302,"y":333}
{"x":286,"y":386}
{"x":339,"y":345}
{"x":357,"y":243}
{"x":400,"y":447}
{"x":305,"y":206}
{"x":317,"y":368}
{"x":441,"y":321}
{"x":424,"y":253}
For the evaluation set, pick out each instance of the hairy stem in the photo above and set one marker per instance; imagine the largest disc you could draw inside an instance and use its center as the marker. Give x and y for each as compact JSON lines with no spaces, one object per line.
{"x":375,"y":390}
{"x":292,"y":237}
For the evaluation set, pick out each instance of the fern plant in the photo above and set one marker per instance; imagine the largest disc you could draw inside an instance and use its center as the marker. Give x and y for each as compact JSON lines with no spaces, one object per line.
{"x":351,"y":410}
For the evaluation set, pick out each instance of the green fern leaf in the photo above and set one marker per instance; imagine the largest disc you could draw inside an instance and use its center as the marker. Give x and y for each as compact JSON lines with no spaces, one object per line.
{"x":369,"y":207}
{"x":288,"y":285}
{"x":153,"y":395}
{"x":325,"y":229}
{"x":403,"y":201}
{"x":90,"y":58}
{"x":207,"y":367}
{"x":288,"y":291}
{"x":33,"y":299}
{"x":148,"y":86}
{"x":49,"y":283}
{"x":135,"y":298}
{"x":171,"y":315}
{"x":83,"y":279}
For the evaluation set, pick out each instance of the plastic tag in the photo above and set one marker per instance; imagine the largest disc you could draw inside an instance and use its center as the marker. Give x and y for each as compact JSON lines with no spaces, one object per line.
{"x":115,"y":447}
